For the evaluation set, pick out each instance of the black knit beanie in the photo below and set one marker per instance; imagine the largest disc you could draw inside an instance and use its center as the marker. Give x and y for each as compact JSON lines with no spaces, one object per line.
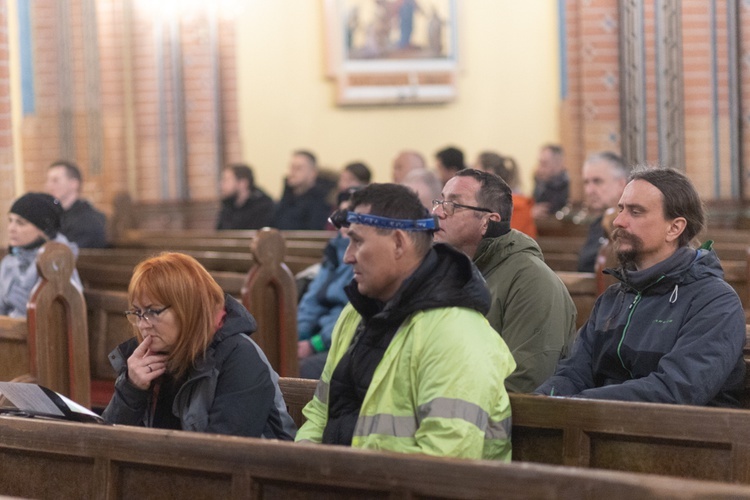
{"x":42,"y":210}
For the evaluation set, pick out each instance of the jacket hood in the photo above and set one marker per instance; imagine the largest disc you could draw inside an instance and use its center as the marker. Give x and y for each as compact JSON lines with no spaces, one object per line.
{"x":493,"y":251}
{"x":333,"y":254}
{"x":685,"y":266}
{"x":29,"y":252}
{"x":238,"y":320}
{"x":445,"y":278}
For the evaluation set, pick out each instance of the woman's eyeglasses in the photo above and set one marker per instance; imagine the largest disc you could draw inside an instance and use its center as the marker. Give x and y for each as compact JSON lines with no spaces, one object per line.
{"x":151,"y":316}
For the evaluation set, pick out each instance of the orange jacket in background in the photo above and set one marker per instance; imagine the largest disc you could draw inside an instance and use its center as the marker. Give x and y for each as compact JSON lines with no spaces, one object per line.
{"x":522,"y":220}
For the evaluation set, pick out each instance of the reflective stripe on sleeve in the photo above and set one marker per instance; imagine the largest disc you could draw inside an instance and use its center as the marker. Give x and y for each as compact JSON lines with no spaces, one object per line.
{"x":387,"y":425}
{"x":406,"y":426}
{"x":321,"y":392}
{"x":499,"y":430}
{"x":469,"y":412}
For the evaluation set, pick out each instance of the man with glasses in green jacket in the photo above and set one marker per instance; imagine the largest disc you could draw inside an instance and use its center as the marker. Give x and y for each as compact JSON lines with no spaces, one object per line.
{"x":531,"y":308}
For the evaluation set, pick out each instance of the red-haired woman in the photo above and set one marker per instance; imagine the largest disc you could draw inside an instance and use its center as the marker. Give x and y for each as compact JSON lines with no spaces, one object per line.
{"x":192,"y":365}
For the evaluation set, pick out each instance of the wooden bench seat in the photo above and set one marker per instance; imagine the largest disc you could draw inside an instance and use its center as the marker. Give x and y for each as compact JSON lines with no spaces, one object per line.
{"x":51,"y":459}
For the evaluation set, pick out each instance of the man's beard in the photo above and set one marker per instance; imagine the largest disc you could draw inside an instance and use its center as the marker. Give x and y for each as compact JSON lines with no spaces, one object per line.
{"x":627,"y":258}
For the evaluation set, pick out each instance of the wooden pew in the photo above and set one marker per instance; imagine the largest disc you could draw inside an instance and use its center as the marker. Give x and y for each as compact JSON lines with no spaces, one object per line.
{"x":304,"y":248}
{"x":50,"y":347}
{"x":108,"y":328}
{"x":270,"y":293}
{"x":133,"y":237}
{"x":14,"y":348}
{"x":51,"y":459}
{"x":584,"y":292}
{"x":267,"y":290}
{"x":685,"y":441}
{"x":561,"y":252}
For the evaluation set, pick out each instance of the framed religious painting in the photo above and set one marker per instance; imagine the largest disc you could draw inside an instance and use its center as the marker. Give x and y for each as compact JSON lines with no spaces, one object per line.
{"x":392,"y":51}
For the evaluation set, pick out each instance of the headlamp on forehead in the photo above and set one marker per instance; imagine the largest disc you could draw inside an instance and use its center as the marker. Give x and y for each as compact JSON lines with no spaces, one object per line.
{"x":343,"y":218}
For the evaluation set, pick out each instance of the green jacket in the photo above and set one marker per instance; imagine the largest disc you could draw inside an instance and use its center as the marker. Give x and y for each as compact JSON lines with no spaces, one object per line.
{"x":438,"y":389}
{"x":531,"y":308}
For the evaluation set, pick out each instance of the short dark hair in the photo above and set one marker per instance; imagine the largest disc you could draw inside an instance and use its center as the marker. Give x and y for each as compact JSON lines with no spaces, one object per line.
{"x":494,"y":193}
{"x":397,"y":202}
{"x":360,"y":171}
{"x":243,"y":171}
{"x":555,"y":149}
{"x":680,"y":198}
{"x":71,"y":169}
{"x":307,"y":154}
{"x":451,"y":158}
{"x":504,"y":166}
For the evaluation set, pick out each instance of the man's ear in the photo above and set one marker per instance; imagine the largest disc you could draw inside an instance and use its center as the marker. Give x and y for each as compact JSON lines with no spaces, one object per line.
{"x":676,"y":228}
{"x":400,"y":242}
{"x":487,"y":218}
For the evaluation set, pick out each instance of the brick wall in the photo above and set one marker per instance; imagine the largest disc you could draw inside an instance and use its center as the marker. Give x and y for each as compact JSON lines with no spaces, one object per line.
{"x":591,"y":115}
{"x":129,"y":43}
{"x":7,"y":173}
{"x":127,"y":70}
{"x":591,"y":111}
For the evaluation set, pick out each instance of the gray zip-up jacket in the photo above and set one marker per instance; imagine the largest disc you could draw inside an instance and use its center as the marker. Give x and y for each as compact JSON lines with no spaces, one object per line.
{"x":233,"y":390}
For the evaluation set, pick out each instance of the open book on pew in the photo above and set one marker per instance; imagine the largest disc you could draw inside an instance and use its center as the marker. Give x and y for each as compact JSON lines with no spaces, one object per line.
{"x":32,"y":400}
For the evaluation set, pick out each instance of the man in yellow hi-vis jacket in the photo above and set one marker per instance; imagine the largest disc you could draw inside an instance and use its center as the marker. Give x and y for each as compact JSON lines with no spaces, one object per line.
{"x":414,"y":366}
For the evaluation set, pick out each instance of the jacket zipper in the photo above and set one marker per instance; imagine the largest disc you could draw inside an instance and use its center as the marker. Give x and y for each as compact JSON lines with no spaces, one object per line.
{"x":632,"y":307}
{"x":624,"y":331}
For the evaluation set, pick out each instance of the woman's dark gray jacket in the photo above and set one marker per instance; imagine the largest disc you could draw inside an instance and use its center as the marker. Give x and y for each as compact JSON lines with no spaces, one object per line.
{"x":233,"y":390}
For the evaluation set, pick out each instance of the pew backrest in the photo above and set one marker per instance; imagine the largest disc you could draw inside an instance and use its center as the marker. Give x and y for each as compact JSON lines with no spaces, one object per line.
{"x":57,"y":327}
{"x":66,"y":460}
{"x":14,"y":360}
{"x":270,"y":294}
{"x":297,"y":393}
{"x":687,"y":441}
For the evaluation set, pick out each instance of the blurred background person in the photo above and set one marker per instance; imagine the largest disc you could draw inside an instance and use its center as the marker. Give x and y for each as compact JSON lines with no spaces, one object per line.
{"x":604,"y":178}
{"x":551,"y":182}
{"x":506,"y":168}
{"x":425,"y":184}
{"x":34,"y":219}
{"x":406,"y":161}
{"x":303,"y":204}
{"x":355,"y":174}
{"x":243,"y":205}
{"x":324,"y":299}
{"x":80,"y":222}
{"x":448,"y":161}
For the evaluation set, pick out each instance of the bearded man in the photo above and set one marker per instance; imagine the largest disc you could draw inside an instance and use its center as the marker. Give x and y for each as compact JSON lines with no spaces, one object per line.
{"x":671,"y":330}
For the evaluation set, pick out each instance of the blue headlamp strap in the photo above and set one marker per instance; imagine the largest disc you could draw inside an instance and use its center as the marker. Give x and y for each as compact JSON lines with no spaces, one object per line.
{"x":382,"y":222}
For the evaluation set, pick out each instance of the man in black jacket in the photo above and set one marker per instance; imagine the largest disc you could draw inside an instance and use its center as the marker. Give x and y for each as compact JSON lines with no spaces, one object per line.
{"x":303,"y":204}
{"x":243,"y":206}
{"x":551,"y":183}
{"x":81,"y":223}
{"x":672,"y":330}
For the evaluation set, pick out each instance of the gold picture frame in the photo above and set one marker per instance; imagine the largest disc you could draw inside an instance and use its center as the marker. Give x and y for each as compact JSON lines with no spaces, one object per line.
{"x":394,"y":52}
